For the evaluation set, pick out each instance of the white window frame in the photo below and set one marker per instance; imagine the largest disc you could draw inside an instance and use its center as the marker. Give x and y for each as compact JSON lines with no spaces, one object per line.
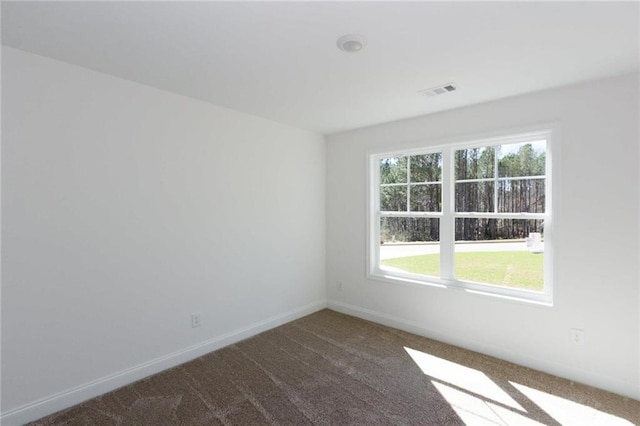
{"x":448,"y":215}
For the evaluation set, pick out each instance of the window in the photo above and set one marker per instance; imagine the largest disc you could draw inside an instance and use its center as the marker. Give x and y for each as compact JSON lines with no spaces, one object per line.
{"x":475,"y":216}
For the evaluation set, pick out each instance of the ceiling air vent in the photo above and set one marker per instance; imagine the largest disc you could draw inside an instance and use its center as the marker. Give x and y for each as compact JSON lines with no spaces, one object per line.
{"x":439,"y":90}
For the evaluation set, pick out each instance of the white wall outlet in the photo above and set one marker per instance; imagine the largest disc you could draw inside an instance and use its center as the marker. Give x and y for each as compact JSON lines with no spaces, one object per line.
{"x":577,"y":336}
{"x":195,"y":319}
{"x":339,"y":285}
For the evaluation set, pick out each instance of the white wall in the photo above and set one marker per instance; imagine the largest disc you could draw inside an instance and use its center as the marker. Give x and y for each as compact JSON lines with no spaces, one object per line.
{"x":596,"y":237}
{"x":125,"y":209}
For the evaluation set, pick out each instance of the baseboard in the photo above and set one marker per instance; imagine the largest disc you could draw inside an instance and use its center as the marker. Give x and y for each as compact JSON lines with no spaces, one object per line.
{"x":620,"y":387}
{"x":60,"y":401}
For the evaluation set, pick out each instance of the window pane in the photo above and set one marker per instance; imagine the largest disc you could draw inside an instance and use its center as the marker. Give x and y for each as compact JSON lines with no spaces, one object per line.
{"x":500,"y":252}
{"x":426,"y":168}
{"x":426,"y":198}
{"x":410,"y":245}
{"x":521,"y":196}
{"x":476,"y":229}
{"x":393,"y":170}
{"x":474,"y":197}
{"x":522,"y":159}
{"x":475,"y":163}
{"x":393,"y":198}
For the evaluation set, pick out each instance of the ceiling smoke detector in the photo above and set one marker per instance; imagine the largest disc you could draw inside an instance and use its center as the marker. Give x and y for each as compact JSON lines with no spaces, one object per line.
{"x":351,"y":43}
{"x":439,"y":90}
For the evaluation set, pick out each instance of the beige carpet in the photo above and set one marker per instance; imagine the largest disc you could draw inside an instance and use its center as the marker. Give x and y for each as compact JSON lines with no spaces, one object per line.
{"x":333,"y":369}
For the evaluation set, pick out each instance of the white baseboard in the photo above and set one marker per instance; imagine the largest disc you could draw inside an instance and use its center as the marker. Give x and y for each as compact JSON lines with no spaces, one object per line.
{"x":590,"y":378}
{"x":60,"y":401}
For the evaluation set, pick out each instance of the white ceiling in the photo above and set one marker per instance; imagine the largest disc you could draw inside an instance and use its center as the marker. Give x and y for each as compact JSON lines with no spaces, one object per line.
{"x":279,"y":60}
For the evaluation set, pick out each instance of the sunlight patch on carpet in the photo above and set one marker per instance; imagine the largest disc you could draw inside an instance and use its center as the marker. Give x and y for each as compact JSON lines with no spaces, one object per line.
{"x":568,"y":412}
{"x":469,"y":379}
{"x":477,"y":411}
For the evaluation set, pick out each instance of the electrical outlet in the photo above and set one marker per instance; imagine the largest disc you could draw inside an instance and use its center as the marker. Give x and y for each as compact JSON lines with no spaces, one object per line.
{"x":195,"y":319}
{"x":339,"y":285}
{"x":577,"y":336}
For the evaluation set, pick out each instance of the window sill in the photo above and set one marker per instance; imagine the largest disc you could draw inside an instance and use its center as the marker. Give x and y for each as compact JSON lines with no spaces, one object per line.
{"x":509,"y":295}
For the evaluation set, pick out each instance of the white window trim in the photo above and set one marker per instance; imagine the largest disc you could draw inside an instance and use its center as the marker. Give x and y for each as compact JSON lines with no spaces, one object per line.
{"x":448,"y":215}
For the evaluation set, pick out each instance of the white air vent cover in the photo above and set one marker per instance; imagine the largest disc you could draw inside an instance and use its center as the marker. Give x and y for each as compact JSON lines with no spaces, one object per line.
{"x":439,"y":90}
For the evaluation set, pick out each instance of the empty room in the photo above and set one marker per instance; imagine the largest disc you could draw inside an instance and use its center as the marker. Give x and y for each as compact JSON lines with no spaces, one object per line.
{"x":331,"y":213}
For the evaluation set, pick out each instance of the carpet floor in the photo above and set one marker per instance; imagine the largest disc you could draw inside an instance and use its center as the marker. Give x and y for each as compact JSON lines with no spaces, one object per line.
{"x":333,"y":369}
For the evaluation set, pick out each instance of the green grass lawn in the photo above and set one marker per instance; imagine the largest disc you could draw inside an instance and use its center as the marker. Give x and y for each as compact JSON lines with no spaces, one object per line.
{"x":519,"y":269}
